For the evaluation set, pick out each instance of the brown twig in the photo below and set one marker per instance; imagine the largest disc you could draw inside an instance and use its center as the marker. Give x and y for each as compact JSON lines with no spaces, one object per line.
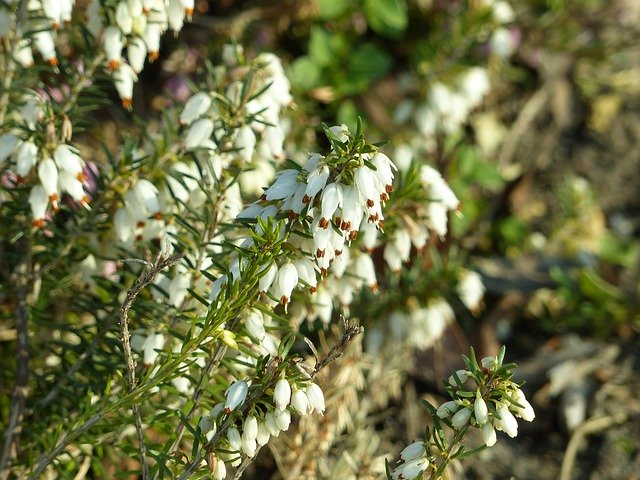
{"x":590,"y":426}
{"x":20,"y":280}
{"x":161,"y":262}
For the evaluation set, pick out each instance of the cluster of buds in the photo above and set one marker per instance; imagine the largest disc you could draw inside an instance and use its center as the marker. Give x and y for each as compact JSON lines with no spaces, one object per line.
{"x":44,"y":18}
{"x":422,"y":325}
{"x":447,"y":106}
{"x":136,"y":25}
{"x":256,"y":96}
{"x":484,"y":397}
{"x":335,"y":197}
{"x":246,"y":435}
{"x":52,"y":172}
{"x":494,"y":403}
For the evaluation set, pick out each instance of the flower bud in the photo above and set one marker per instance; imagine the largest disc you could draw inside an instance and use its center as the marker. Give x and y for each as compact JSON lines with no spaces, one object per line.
{"x":300,"y":402}
{"x":236,"y":395}
{"x":282,"y":394}
{"x":480,"y":409}
{"x":447,"y":408}
{"x":414,"y":450}
{"x":489,"y":435}
{"x":461,"y":418}
{"x":507,"y":423}
{"x":315,"y":397}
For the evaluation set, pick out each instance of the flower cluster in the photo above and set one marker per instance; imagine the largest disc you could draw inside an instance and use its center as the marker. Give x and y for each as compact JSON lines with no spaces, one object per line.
{"x":257,"y":426}
{"x":44,"y":18}
{"x":137,"y":26}
{"x":421,"y":325}
{"x":212,"y":141}
{"x":52,"y":170}
{"x":489,"y":410}
{"x":483,"y":397}
{"x":336,"y":198}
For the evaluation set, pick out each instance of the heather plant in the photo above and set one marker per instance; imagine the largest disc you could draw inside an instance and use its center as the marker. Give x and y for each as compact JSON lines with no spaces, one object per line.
{"x":182,"y":295}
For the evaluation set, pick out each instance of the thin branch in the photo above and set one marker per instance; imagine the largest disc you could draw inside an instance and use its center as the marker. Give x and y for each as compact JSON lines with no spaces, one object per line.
{"x":351,"y":331}
{"x":21,"y":279}
{"x":592,"y":425}
{"x":144,"y":280}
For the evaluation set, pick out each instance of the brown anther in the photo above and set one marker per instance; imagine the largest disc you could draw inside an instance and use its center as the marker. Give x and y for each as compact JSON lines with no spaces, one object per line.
{"x":54,"y":197}
{"x":370,"y":203}
{"x":313,"y":289}
{"x":384,"y":197}
{"x":323,"y":223}
{"x":337,"y":221}
{"x":138,"y":238}
{"x":306,"y":199}
{"x":127,"y":103}
{"x":319,"y":253}
{"x":353,"y":235}
{"x":388,"y":188}
{"x":140,"y":224}
{"x":38,"y":223}
{"x":338,"y":253}
{"x":292,"y":215}
{"x":153,"y":56}
{"x":113,"y":64}
{"x":81,"y":177}
{"x":53,"y":61}
{"x":323,"y":272}
{"x":158,"y":216}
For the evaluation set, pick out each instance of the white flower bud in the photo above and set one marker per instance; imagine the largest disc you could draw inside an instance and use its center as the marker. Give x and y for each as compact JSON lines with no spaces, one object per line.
{"x":413,"y":450}
{"x":152,"y":38}
{"x":124,"y":78}
{"x":413,"y":468}
{"x":235,"y":440}
{"x":286,"y":280}
{"x":283,"y":419}
{"x":38,"y":201}
{"x":262,"y":438}
{"x":300,"y":402}
{"x":198,"y":133}
{"x":282,"y":394}
{"x":152,"y":343}
{"x":220,"y":470}
{"x":124,"y":20}
{"x":315,"y":397}
{"x":284,"y":186}
{"x":459,"y":376}
{"x":507,"y":422}
{"x":236,"y":394}
{"x":48,"y":174}
{"x":480,"y":409}
{"x":25,"y":156}
{"x":526,"y":412}
{"x":255,"y":324}
{"x":44,"y":43}
{"x":113,"y":43}
{"x":461,"y":418}
{"x":267,"y":279}
{"x":136,"y":53}
{"x":271,"y":424}
{"x":471,"y":289}
{"x":250,"y":428}
{"x":196,"y":106}
{"x":447,"y":408}
{"x":331,"y":200}
{"x":8,"y":144}
{"x":489,"y":435}
{"x":245,"y":142}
